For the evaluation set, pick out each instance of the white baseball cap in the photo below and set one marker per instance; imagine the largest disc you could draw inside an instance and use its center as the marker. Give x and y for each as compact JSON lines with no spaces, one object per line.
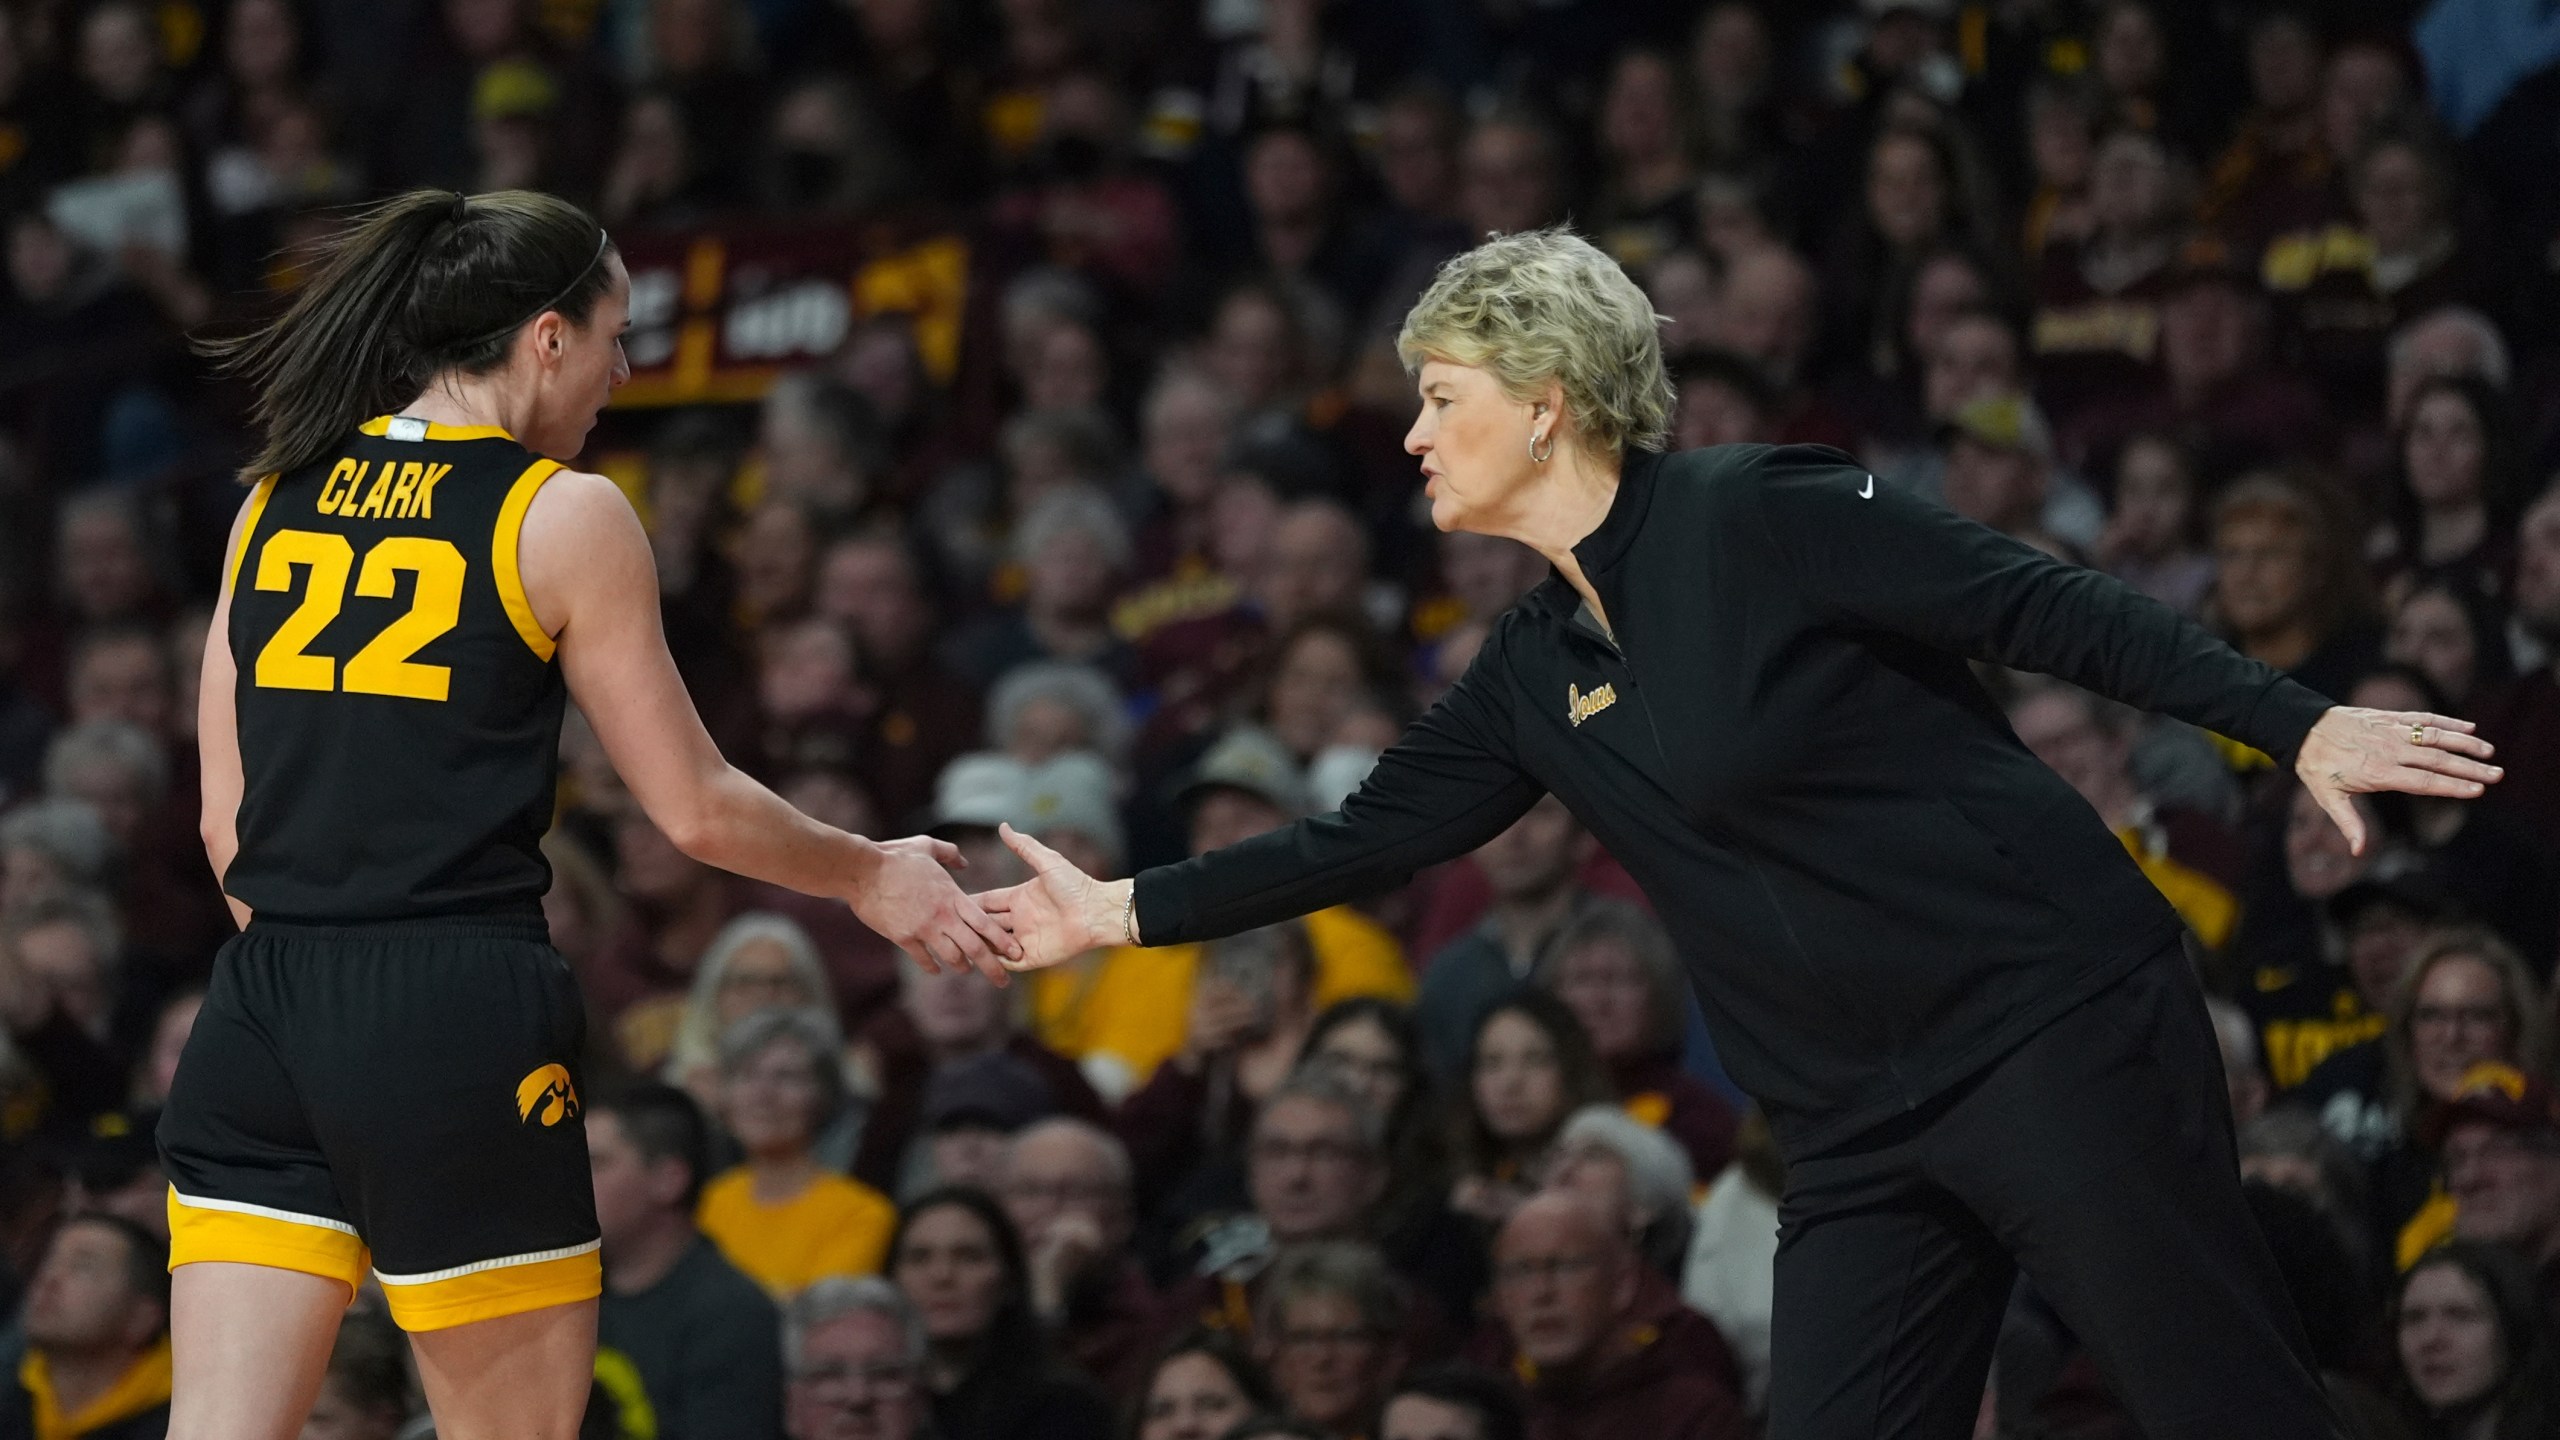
{"x":983,"y":789}
{"x":1073,"y":791}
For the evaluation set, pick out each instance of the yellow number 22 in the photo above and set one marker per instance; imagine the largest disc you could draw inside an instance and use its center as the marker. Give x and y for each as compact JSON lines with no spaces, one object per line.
{"x":383,"y":666}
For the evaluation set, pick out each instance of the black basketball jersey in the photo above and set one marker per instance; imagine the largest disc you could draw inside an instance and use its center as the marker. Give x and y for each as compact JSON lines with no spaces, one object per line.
{"x":399,"y":708}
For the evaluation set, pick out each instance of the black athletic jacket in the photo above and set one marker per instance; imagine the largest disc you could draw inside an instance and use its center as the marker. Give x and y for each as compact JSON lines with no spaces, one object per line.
{"x":1876,"y":888}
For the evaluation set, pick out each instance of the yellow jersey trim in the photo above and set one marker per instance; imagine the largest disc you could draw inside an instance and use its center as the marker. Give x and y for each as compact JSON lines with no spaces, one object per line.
{"x":495,"y":1288}
{"x":251,"y":1235}
{"x":248,"y":531}
{"x":381,"y":425}
{"x":502,"y":556}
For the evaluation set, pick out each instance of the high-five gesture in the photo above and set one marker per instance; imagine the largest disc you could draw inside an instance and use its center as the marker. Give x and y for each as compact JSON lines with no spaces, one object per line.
{"x":909,"y":897}
{"x":2354,"y":751}
{"x":1060,"y":912}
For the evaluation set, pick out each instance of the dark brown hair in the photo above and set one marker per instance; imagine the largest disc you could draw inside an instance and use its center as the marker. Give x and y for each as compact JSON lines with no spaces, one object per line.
{"x":418,"y":285}
{"x":2526,"y":1398}
{"x":1217,"y":1346}
{"x":1477,"y":1150}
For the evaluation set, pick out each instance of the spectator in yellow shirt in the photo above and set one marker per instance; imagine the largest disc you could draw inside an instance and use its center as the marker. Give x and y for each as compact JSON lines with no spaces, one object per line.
{"x":95,"y":1359}
{"x":782,"y":1217}
{"x":1131,"y":1008}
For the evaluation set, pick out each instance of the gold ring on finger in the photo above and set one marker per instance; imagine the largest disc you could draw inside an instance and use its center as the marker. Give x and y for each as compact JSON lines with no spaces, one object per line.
{"x":2417,"y":734}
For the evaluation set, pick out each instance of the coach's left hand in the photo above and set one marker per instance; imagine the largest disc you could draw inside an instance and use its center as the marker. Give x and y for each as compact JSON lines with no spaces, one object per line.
{"x":2354,"y":751}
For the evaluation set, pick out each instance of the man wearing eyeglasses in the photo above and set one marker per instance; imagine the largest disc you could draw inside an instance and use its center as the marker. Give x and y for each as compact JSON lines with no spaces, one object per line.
{"x":2500,"y":1138}
{"x":1313,"y":1165}
{"x":1567,"y":1285}
{"x":1066,"y":1184}
{"x":852,"y":1348}
{"x":1315,"y":1168}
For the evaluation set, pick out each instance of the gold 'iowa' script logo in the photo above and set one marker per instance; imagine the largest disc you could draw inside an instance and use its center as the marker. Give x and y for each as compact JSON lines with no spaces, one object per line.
{"x":1582,"y":707}
{"x":547,"y":1089}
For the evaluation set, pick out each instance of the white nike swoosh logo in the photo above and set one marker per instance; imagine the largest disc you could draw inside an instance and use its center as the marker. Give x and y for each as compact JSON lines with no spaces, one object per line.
{"x":1870,"y":492}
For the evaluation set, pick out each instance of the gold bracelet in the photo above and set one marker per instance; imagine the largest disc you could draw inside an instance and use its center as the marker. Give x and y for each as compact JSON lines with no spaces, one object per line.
{"x":1129,"y":917}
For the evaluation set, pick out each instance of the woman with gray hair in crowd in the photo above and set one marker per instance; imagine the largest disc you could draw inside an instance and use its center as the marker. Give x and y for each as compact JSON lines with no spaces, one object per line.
{"x":1044,"y":708}
{"x":783,"y":1217}
{"x":175,"y":920}
{"x":1184,"y":430}
{"x":1329,"y":1325}
{"x":759,"y":961}
{"x":1948,"y":985}
{"x":1072,"y":549}
{"x":51,"y":847}
{"x":1628,"y":1169}
{"x":114,"y":765}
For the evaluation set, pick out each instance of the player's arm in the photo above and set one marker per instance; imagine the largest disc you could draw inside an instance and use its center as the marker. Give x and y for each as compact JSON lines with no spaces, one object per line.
{"x":218,"y":730}
{"x":593,"y":585}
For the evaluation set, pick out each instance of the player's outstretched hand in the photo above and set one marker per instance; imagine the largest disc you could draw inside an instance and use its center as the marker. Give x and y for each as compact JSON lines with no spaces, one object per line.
{"x":1060,"y":912}
{"x":2354,"y":751}
{"x":910,"y":898}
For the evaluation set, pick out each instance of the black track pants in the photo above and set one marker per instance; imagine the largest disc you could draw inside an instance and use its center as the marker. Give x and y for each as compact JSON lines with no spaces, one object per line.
{"x":2097,"y":1158}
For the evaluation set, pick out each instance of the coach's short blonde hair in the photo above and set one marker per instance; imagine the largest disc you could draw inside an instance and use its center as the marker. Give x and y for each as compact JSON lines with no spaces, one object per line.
{"x":1545,"y":305}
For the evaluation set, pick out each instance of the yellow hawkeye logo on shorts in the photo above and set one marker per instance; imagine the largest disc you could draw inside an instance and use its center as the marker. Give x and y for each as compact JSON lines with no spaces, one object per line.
{"x":1582,"y":707}
{"x":548,"y":1088}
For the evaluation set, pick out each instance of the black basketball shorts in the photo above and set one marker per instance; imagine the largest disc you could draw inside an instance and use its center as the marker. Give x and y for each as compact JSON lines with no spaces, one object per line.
{"x":398,"y":1097}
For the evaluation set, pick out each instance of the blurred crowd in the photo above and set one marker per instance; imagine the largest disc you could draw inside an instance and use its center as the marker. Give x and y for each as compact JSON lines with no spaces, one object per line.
{"x":1069,"y":493}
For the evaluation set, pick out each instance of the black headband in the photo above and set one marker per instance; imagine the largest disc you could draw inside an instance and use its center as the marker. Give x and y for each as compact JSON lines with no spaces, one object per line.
{"x":603,"y":238}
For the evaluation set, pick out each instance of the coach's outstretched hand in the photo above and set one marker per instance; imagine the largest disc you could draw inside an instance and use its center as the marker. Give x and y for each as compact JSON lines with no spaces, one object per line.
{"x":1060,"y":912}
{"x":2353,"y":751}
{"x":910,"y":898}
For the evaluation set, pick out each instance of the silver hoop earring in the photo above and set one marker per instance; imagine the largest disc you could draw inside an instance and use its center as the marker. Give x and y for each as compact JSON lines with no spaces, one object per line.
{"x":1533,"y":449}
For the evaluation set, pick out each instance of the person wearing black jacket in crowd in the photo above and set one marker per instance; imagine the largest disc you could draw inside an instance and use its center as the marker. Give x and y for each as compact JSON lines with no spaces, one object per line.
{"x":1964,"y":1009}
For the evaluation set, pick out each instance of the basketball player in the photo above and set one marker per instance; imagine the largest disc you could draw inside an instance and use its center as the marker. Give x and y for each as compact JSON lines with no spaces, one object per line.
{"x":385,"y":1076}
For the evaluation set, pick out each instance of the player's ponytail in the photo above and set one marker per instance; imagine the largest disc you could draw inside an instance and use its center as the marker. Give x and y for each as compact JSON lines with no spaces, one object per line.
{"x":419,"y":285}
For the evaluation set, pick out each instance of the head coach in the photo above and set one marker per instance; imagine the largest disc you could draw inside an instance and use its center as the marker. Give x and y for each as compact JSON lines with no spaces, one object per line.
{"x":1964,"y":1009}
